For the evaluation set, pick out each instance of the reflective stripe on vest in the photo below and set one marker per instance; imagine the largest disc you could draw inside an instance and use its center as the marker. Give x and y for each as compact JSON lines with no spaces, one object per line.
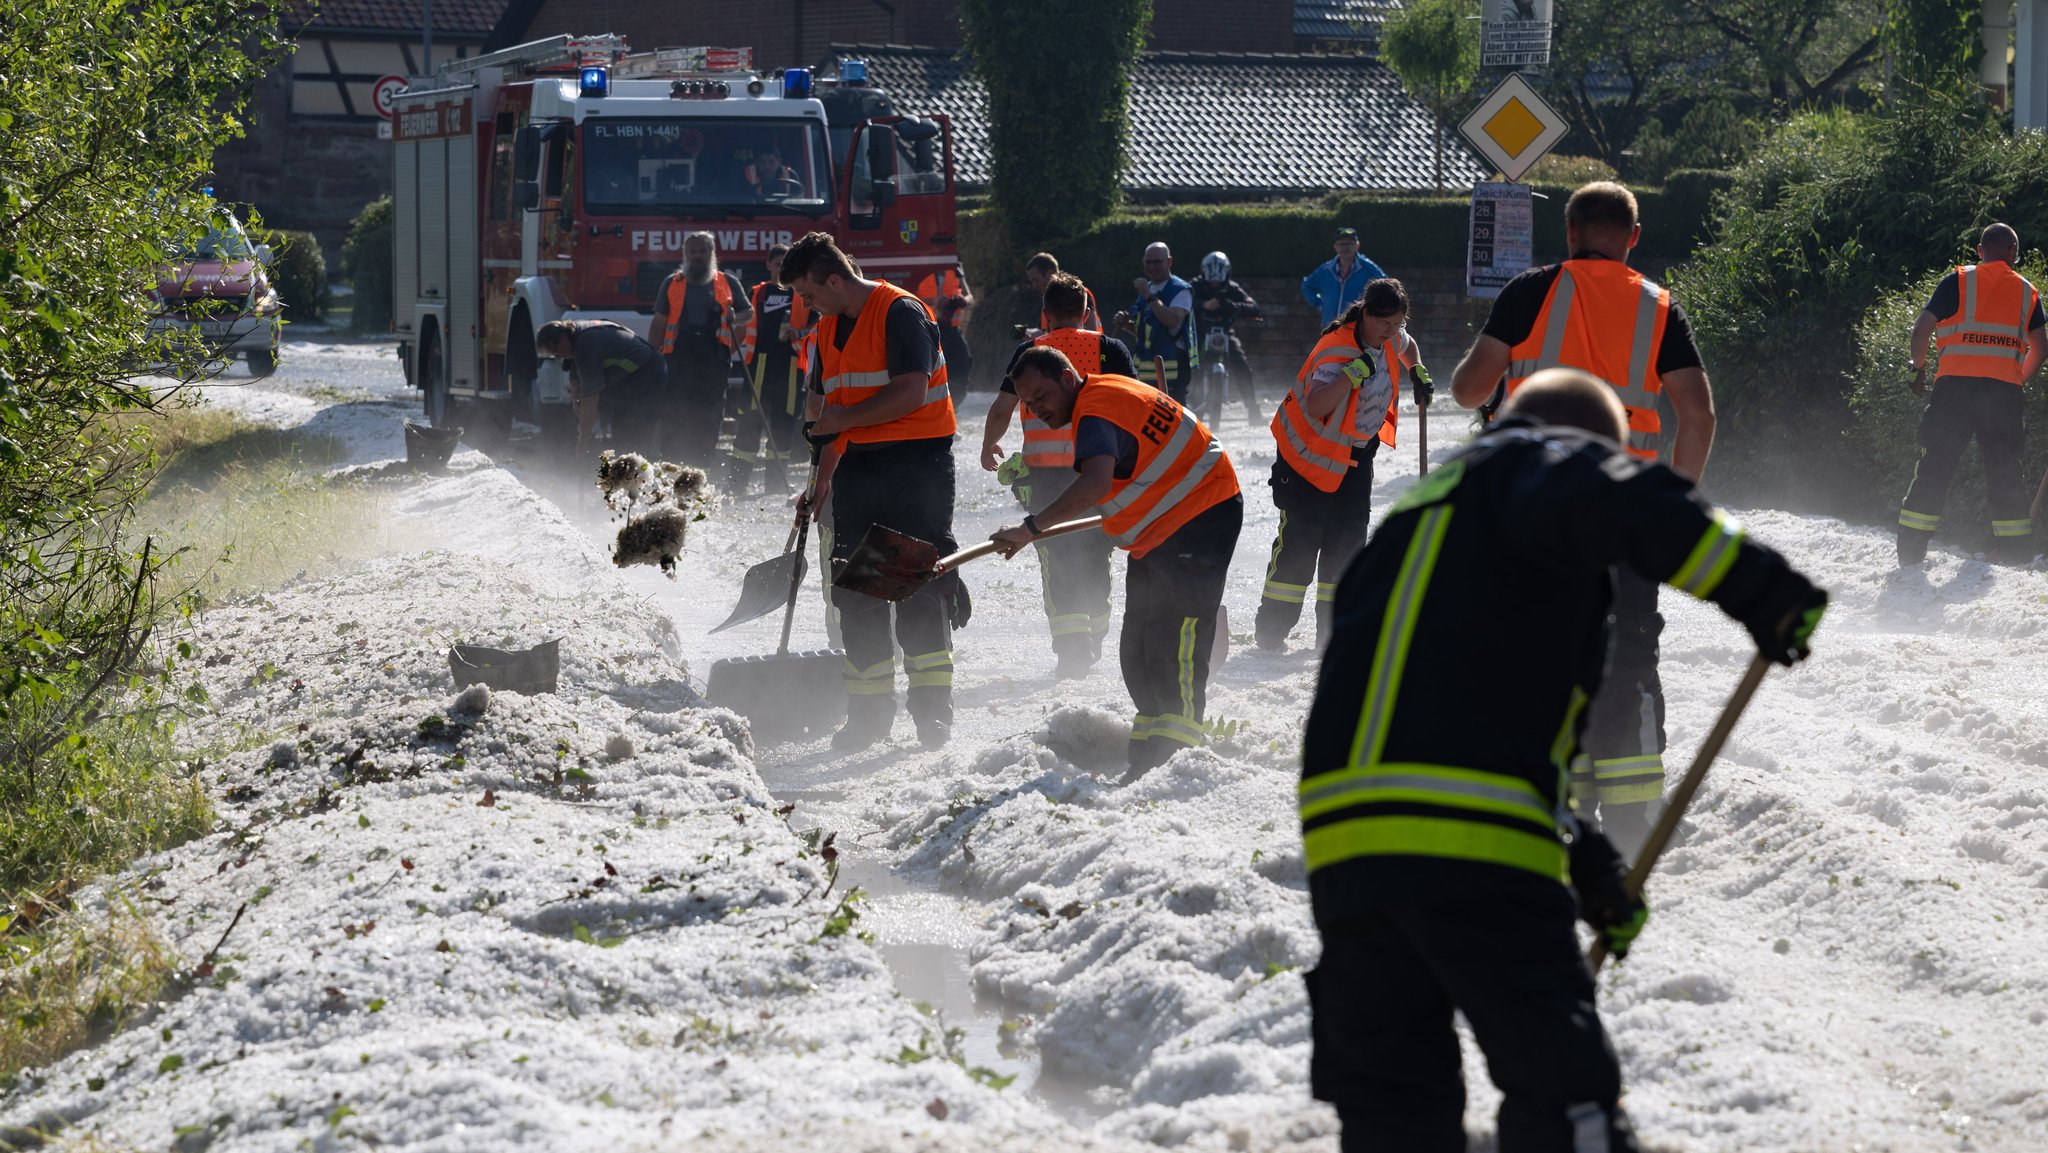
{"x":1044,"y":445}
{"x":1180,"y":472}
{"x":1982,"y":338}
{"x":1373,"y":808}
{"x":678,"y":289}
{"x":1590,"y":301}
{"x":1320,"y":450}
{"x":859,"y":371}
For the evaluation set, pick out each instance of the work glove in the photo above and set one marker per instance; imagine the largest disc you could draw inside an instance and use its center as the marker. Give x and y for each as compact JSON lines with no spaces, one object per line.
{"x":1425,"y":388}
{"x":1784,"y":617}
{"x":1493,"y":403}
{"x":1360,"y":370}
{"x":1598,"y":874}
{"x":1012,"y":470}
{"x":818,"y":440}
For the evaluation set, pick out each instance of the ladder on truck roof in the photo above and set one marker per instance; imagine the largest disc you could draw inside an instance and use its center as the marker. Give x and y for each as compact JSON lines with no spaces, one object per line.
{"x":540,"y":53}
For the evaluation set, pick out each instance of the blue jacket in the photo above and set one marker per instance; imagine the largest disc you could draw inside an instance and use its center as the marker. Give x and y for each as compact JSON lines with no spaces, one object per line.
{"x":1325,"y":290}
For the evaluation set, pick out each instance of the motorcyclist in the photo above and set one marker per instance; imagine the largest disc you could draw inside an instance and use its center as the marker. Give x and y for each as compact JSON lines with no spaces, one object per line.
{"x":1221,"y":302}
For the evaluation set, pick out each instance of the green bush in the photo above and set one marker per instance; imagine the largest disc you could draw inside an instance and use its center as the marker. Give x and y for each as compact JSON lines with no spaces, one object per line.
{"x":366,"y":262}
{"x":298,"y":269}
{"x":1829,"y":212}
{"x":1885,"y":415}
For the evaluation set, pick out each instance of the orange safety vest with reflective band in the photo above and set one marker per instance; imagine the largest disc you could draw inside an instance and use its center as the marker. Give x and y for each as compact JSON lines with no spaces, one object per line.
{"x":1603,"y":317}
{"x":1181,"y":470}
{"x":678,"y":288}
{"x":1987,"y":336}
{"x":1320,"y":451}
{"x":861,"y":370}
{"x":1044,"y":445}
{"x":935,"y":288}
{"x":799,"y":317}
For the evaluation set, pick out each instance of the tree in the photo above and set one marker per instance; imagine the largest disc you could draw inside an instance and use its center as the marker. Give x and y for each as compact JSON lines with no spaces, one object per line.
{"x":1935,"y":44}
{"x":1058,"y":79}
{"x":1798,"y":52}
{"x":109,"y":119}
{"x":1433,"y":46}
{"x":1615,"y":65}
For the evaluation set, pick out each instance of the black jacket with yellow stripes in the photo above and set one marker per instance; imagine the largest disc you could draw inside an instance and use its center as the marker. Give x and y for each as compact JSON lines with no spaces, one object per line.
{"x":1469,"y":634}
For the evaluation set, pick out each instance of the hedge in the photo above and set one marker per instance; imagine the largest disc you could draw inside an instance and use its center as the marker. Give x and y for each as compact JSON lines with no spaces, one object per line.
{"x":1277,"y":240}
{"x":1885,"y":414}
{"x":366,"y":261}
{"x":298,"y":269}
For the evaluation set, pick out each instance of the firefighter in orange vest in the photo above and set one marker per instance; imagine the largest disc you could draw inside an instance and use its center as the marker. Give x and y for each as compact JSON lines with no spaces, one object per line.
{"x":949,"y":298}
{"x":1074,"y":569}
{"x":699,"y":314}
{"x":1039,"y":271}
{"x":1339,"y":412}
{"x":1168,"y":494}
{"x":1595,"y":313}
{"x":768,"y":416}
{"x":882,"y":402}
{"x":1986,"y":321}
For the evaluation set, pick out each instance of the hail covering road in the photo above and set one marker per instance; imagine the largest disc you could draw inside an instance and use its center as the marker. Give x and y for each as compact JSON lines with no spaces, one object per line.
{"x":641,"y":951}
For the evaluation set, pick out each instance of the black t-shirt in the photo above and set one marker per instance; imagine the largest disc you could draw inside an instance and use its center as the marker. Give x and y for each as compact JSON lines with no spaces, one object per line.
{"x":1231,"y":298}
{"x":1116,"y":361}
{"x":769,"y":318}
{"x":1947,"y":299}
{"x":1521,"y":302}
{"x":913,"y":339}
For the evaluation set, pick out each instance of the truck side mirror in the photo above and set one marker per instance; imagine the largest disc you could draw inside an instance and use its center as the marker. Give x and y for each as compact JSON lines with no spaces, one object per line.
{"x":525,"y":167}
{"x":881,"y":151}
{"x":883,"y":192}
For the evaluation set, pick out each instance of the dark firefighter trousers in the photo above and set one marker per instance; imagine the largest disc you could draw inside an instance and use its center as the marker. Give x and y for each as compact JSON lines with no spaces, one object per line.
{"x":1621,"y":763}
{"x":694,"y":407}
{"x":959,"y":360}
{"x":1073,"y":571}
{"x":767,"y":422}
{"x":1990,"y":411}
{"x":630,"y":406}
{"x":1171,"y":596}
{"x":1319,"y":534}
{"x":907,"y":486}
{"x":1241,"y":377}
{"x":1386,"y":1052}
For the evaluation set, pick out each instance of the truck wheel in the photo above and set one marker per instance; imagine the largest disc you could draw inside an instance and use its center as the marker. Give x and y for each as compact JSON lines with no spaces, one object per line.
{"x":262,"y":361}
{"x":433,"y":380}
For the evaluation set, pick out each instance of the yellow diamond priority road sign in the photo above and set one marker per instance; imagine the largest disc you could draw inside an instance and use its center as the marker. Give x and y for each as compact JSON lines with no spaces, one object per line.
{"x":1513,"y":128}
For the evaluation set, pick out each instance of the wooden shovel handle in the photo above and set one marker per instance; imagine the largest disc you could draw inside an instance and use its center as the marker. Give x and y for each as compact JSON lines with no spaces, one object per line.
{"x":947,"y":563}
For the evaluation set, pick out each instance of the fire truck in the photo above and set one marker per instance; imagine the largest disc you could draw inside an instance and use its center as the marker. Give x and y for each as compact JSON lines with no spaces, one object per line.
{"x":556,"y":180}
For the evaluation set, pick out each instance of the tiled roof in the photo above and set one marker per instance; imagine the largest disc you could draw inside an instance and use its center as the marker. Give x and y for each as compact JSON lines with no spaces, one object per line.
{"x":1243,"y":125}
{"x":466,"y":18}
{"x":1342,"y":19}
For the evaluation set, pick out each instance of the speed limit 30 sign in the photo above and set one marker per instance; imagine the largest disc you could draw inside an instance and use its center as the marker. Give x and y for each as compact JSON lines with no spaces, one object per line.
{"x":382,"y":93}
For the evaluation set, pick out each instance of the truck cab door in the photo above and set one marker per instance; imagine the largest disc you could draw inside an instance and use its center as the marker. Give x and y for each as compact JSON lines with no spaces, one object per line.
{"x":871,"y":176}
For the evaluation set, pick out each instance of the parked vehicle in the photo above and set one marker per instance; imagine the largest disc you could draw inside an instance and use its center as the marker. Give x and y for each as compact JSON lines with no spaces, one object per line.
{"x":215,"y":299}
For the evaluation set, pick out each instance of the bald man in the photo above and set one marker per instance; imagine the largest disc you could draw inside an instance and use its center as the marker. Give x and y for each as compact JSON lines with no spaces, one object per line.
{"x":1158,"y":322}
{"x":1443,"y":863}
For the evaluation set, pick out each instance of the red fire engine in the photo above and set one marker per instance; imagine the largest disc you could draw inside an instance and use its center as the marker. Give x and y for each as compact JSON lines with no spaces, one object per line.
{"x":556,"y":180}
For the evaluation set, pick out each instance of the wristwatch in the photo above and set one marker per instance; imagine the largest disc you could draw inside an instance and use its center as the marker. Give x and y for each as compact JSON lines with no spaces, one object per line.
{"x":1031,"y":524}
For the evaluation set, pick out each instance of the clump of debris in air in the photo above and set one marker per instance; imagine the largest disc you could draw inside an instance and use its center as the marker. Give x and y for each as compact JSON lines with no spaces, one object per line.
{"x":659,"y":500}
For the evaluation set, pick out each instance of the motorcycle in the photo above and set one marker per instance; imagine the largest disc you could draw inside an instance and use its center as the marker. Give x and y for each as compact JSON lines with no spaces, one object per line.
{"x":1211,"y":385}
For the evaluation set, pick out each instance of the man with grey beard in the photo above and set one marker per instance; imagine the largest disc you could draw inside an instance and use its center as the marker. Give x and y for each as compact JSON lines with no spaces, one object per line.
{"x":700,"y":313}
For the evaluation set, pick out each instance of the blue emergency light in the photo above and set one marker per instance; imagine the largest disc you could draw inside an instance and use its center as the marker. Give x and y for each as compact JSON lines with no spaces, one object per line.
{"x":796,"y":83}
{"x":853,"y":73}
{"x":596,"y":81}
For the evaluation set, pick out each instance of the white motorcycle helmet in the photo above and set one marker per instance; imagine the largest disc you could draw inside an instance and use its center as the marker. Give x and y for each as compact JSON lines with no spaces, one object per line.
{"x":1216,"y":267}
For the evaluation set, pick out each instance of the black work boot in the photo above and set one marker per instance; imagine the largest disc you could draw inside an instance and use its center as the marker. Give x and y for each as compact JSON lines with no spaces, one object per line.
{"x":1913,"y":547}
{"x":868,"y":720}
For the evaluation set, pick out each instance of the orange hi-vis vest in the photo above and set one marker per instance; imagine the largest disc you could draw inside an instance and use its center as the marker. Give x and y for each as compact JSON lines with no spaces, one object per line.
{"x":678,"y":288}
{"x":1090,"y":319}
{"x":935,"y":288}
{"x":799,"y":319}
{"x":1181,"y":470}
{"x":859,"y":371}
{"x":1320,"y":451}
{"x":1605,"y":318}
{"x":1987,"y":336}
{"x":1044,"y":445}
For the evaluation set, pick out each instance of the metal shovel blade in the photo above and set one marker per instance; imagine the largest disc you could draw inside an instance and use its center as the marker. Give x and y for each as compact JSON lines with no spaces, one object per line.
{"x":888,"y":565}
{"x":765,"y":588}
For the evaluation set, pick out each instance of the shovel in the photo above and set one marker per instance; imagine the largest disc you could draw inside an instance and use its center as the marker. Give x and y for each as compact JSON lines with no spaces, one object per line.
{"x":1681,"y":797}
{"x":891,"y":566}
{"x":786,"y":694}
{"x":765,"y":586}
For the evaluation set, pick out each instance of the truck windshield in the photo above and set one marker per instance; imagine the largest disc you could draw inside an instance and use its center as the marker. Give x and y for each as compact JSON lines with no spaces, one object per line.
{"x":636,"y":167}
